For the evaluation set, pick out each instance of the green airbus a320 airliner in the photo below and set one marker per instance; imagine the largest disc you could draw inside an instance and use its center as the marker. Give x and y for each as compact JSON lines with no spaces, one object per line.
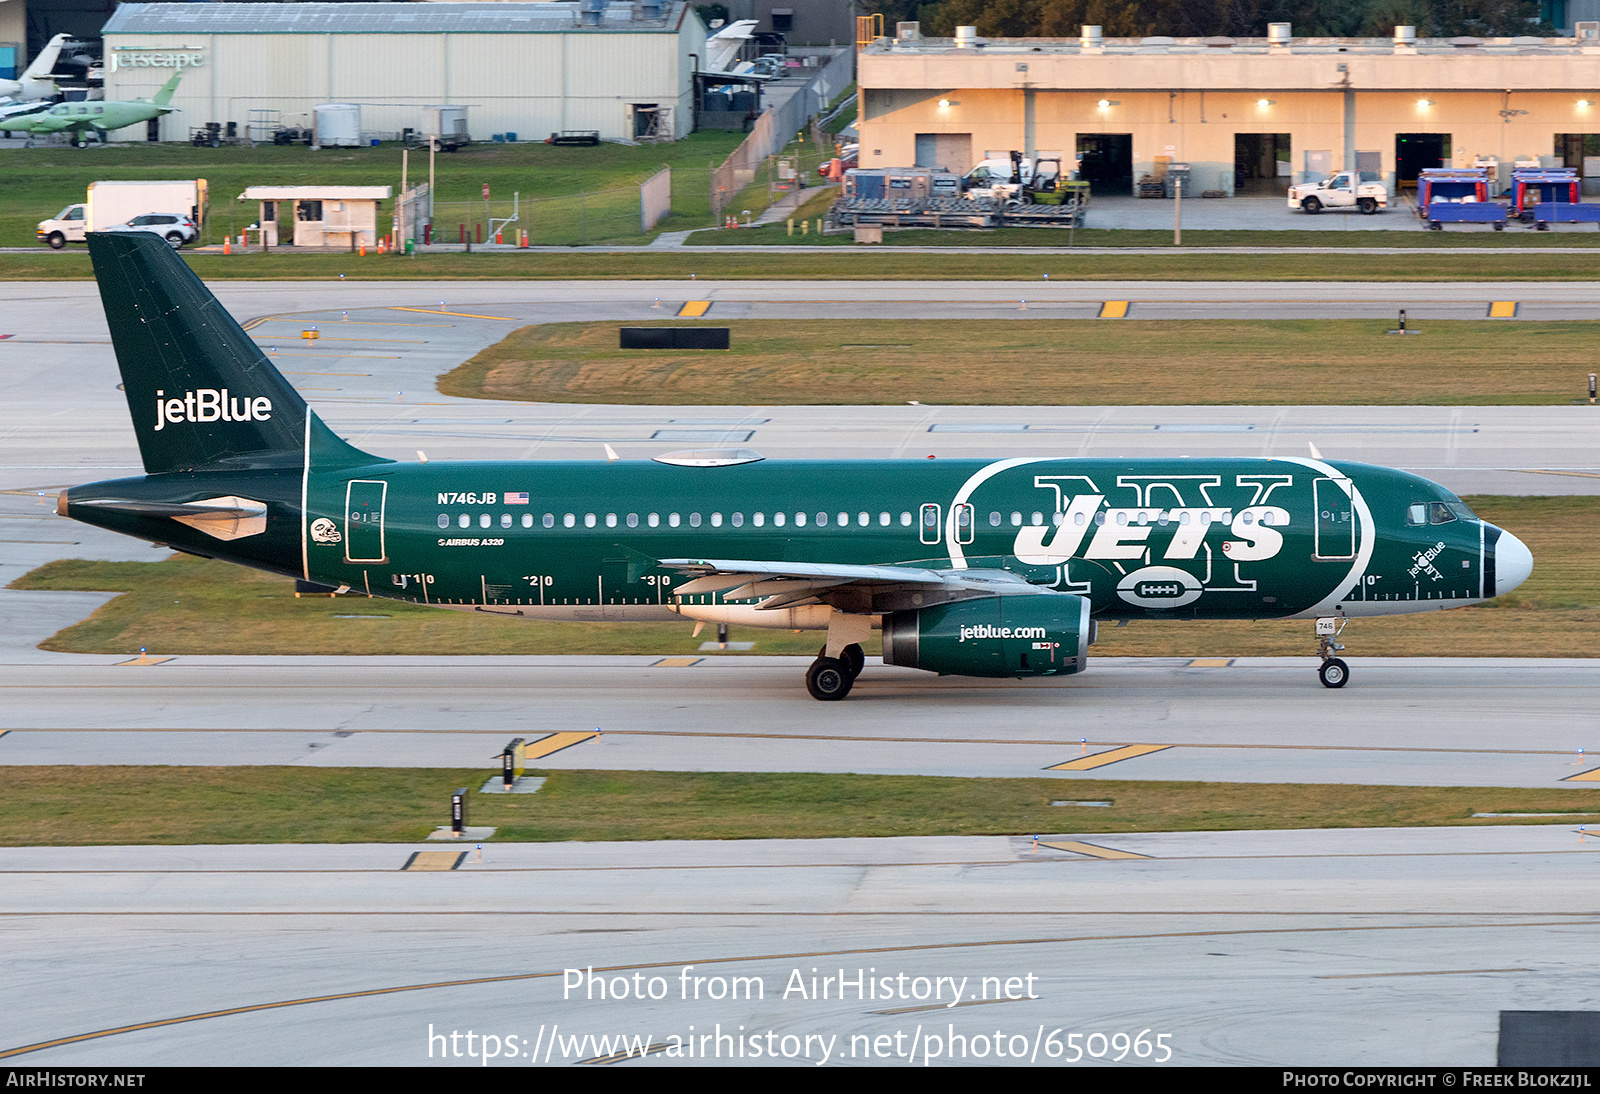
{"x":971,"y":567}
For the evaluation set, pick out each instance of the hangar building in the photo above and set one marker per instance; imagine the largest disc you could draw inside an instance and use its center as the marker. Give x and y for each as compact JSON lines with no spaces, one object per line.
{"x":1249,"y":114}
{"x":528,"y":68}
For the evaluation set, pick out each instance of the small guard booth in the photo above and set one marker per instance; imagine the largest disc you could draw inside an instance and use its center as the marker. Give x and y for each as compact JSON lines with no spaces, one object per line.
{"x":318,"y":216}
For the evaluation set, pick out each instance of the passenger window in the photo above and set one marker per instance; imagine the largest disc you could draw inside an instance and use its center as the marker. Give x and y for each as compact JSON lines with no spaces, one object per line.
{"x":633,"y":520}
{"x":863,"y":519}
{"x":716,"y":520}
{"x":822,"y":520}
{"x":654,"y":520}
{"x":1439,"y":513}
{"x":738,"y":520}
{"x":568,"y":521}
{"x":1016,"y":520}
{"x":758,"y":519}
{"x":588,"y":520}
{"x":844,"y":519}
{"x":505,"y":520}
{"x":994,"y":520}
{"x":1038,"y":519}
{"x":549,"y":520}
{"x":483,"y":520}
{"x":465,"y":521}
{"x":444,"y":520}
{"x":672,"y":520}
{"x":611,"y":520}
{"x":1100,"y":517}
{"x":694,"y":520}
{"x":1416,"y":514}
{"x":527,"y":520}
{"x":884,"y":519}
{"x":799,"y":520}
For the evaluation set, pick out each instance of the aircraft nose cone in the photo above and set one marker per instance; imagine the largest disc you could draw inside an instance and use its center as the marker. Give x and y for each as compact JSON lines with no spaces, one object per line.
{"x":1513,"y":562}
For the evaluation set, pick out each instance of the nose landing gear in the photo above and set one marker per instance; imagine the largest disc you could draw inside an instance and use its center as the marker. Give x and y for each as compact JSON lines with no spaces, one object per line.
{"x":1333,"y":673}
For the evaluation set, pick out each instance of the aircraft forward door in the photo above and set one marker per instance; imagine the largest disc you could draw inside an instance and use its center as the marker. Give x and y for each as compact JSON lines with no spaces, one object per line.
{"x":363,"y":520}
{"x":1336,"y":534}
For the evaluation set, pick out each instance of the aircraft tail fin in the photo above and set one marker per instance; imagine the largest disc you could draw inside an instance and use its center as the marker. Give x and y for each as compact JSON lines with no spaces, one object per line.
{"x":44,"y":62}
{"x":164,"y":96}
{"x":202,"y":394}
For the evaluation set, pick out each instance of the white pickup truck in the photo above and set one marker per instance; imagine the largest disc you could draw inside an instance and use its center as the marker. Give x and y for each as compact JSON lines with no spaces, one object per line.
{"x":1338,"y":192}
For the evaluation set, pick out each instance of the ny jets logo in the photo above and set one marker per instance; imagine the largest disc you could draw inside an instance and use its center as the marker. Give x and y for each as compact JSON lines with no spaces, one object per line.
{"x":324,"y":530}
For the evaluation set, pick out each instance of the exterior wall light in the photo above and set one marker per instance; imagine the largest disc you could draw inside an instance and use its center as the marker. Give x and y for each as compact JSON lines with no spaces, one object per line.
{"x":1585,"y":104}
{"x":1425,"y":103}
{"x":1266,"y":102}
{"x":1104,"y":103}
{"x":949,"y":102}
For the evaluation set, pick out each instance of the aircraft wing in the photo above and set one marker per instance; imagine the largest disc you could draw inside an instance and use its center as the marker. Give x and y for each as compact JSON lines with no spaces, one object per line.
{"x":871,"y":589}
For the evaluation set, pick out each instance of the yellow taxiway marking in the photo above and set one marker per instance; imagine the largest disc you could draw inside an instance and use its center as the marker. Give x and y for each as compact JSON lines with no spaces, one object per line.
{"x":1503,"y":309}
{"x":434,"y":860}
{"x":1542,"y":471}
{"x":545,"y":746}
{"x":1590,"y":776}
{"x":1088,"y":849}
{"x":676,"y":662}
{"x":146,"y":659}
{"x":440,"y":311}
{"x":1101,"y":759}
{"x":1114,"y":309}
{"x":694,"y":309}
{"x":679,"y":962}
{"x":1210,"y":662}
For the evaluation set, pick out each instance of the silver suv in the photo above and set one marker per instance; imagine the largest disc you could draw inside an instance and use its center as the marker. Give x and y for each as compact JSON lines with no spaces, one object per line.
{"x":175,"y":228}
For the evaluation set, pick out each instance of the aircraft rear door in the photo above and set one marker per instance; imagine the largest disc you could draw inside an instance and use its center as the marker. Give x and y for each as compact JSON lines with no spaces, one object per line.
{"x":363,"y":520}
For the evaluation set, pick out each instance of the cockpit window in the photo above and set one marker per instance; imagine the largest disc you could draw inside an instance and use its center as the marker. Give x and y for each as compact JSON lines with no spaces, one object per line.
{"x":1439,"y":513}
{"x":1417,"y":514}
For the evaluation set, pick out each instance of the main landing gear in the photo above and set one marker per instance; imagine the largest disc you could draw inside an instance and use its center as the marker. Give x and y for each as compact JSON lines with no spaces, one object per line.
{"x":1333,"y":673}
{"x":831,"y":678}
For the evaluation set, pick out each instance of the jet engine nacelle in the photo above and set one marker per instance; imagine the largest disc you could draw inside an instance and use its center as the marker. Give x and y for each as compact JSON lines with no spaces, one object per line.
{"x":1040,"y":634}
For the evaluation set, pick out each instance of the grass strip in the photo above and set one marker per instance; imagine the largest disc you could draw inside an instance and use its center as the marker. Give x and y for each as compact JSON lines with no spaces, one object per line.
{"x":83,"y":806}
{"x":1002,"y":362}
{"x":186,"y":605}
{"x":707,"y":263}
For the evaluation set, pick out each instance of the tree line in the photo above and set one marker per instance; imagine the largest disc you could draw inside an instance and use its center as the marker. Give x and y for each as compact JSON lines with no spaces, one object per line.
{"x":1204,"y":18}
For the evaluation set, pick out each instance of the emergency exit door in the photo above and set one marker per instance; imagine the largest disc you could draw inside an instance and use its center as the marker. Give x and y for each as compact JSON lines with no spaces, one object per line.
{"x":363,"y":521}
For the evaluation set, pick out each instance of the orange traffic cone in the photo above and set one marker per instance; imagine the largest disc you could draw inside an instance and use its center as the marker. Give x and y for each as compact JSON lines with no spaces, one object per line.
{"x":227,"y":246}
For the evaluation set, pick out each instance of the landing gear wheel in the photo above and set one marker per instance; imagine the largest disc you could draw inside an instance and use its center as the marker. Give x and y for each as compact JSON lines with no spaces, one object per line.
{"x":1312,"y":206}
{"x":1334,"y":673}
{"x":854,"y":660}
{"x":828,"y":679}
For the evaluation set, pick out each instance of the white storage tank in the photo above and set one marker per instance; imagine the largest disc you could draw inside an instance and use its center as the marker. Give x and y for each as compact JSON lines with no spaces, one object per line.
{"x":337,"y":125}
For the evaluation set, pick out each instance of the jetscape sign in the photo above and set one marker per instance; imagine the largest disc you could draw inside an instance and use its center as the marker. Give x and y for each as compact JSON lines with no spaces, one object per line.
{"x":126,"y":57}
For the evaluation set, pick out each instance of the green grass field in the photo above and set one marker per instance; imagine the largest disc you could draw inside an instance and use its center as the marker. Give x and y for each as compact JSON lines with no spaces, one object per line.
{"x":77,"y":806}
{"x":997,"y":362}
{"x":39,"y":182}
{"x":888,"y":264}
{"x":186,"y":605}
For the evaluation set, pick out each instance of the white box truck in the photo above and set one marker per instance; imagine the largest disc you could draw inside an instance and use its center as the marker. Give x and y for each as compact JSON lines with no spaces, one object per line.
{"x":119,"y":202}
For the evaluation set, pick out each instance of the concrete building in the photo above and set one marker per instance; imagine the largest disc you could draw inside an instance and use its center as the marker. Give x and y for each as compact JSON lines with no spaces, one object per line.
{"x":802,"y":22}
{"x":318,"y":216}
{"x":1252,"y":114}
{"x":622,"y":69}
